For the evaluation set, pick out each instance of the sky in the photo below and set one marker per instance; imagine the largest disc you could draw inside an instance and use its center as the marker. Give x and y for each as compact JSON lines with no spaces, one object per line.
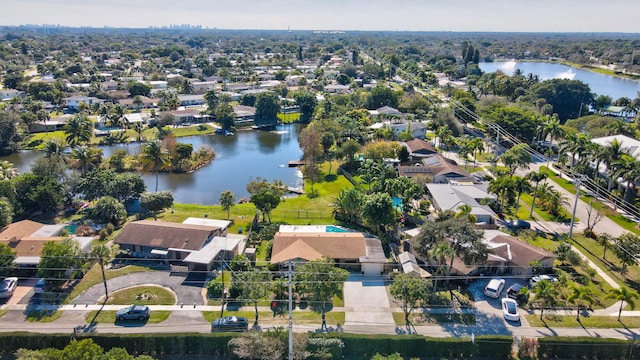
{"x":396,"y":15}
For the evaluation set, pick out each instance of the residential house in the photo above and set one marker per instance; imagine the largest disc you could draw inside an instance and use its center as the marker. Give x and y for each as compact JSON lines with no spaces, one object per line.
{"x":197,"y":243}
{"x":417,"y":128}
{"x":71,"y":103}
{"x":158,"y":84}
{"x":191,"y":100}
{"x":244,"y":114}
{"x":410,"y":265}
{"x":147,"y":103}
{"x":27,"y":238}
{"x":201,"y":87}
{"x":451,"y":196}
{"x":188,"y":116}
{"x":438,"y":168}
{"x":517,"y":255}
{"x":419,"y":149}
{"x":337,"y":89}
{"x":8,"y":94}
{"x":53,"y":124}
{"x":350,"y":250}
{"x":293,"y":80}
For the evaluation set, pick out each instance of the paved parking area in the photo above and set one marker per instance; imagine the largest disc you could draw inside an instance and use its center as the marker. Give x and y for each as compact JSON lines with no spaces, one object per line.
{"x":490,"y":309}
{"x":366,"y":301}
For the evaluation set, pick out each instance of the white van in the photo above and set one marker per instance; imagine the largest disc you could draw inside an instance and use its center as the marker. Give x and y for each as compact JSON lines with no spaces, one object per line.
{"x":38,"y":288}
{"x":494,"y":288}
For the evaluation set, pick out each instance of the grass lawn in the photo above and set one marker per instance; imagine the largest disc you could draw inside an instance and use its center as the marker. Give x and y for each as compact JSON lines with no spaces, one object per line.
{"x":538,"y":212}
{"x":37,"y":140}
{"x":588,"y":322}
{"x":267,"y":317}
{"x":435,"y":319}
{"x":43,"y":315}
{"x":241,"y":215}
{"x":142,"y":295}
{"x":105,"y":316}
{"x":94,"y":277}
{"x":611,"y":265}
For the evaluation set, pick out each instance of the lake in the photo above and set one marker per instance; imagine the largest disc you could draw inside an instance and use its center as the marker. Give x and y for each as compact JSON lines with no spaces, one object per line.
{"x":240,"y":158}
{"x":600,"y":84}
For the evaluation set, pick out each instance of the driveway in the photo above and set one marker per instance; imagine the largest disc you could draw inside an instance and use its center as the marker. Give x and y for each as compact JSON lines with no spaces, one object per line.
{"x":489,"y":310}
{"x":366,"y":301}
{"x":186,"y":292}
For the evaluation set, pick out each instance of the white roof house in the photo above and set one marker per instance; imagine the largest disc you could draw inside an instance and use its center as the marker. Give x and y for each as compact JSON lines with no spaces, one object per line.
{"x":630,"y":145}
{"x":451,"y":197}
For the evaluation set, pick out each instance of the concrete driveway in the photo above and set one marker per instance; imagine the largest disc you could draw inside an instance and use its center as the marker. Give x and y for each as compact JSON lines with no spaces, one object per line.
{"x":366,"y":301}
{"x":489,"y":310}
{"x":186,"y":292}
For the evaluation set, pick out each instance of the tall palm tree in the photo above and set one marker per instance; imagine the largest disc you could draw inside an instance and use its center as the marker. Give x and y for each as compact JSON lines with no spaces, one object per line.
{"x":138,"y":128}
{"x":103,"y":255}
{"x":79,"y":130}
{"x":619,"y":126}
{"x":612,"y":153}
{"x":628,"y":168}
{"x":441,"y":252}
{"x":536,"y":177}
{"x":546,"y":294}
{"x":553,"y":128}
{"x":85,"y":157}
{"x":137,"y":102}
{"x":154,"y":157}
{"x":580,"y":295}
{"x":623,"y":295}
{"x":522,"y":184}
{"x":477,"y":147}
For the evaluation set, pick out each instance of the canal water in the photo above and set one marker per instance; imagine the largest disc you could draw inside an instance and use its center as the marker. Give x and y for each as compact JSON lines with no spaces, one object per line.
{"x":240,"y":158}
{"x":600,"y":84}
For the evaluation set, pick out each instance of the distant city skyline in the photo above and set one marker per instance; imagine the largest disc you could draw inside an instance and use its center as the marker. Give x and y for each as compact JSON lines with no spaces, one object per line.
{"x":399,"y":15}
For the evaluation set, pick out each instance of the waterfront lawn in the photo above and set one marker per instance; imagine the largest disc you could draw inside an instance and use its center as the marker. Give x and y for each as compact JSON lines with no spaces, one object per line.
{"x":289,"y":118}
{"x":37,"y":140}
{"x":241,"y":215}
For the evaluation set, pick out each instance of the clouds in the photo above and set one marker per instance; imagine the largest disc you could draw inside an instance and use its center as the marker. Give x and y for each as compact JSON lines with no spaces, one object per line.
{"x":428,"y":15}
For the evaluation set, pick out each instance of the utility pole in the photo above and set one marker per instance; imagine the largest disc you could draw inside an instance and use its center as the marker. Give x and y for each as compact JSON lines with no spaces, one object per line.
{"x":290,"y":275}
{"x":575,"y":206}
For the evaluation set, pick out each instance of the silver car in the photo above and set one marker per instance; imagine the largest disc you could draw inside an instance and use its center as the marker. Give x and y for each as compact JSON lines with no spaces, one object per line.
{"x":7,"y":287}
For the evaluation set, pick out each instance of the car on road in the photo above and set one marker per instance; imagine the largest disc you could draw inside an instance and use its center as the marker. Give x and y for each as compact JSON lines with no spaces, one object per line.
{"x":7,"y":287}
{"x":38,"y":288}
{"x":534,"y":280}
{"x":513,"y":291}
{"x":518,"y":224}
{"x":510,"y":309}
{"x":230,"y":323}
{"x":133,"y":312}
{"x":494,"y":288}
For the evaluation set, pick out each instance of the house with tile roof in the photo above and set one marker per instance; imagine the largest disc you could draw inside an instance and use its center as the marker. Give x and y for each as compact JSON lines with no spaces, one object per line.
{"x":438,"y":168}
{"x":350,"y":250}
{"x":451,"y":196}
{"x":27,"y":239}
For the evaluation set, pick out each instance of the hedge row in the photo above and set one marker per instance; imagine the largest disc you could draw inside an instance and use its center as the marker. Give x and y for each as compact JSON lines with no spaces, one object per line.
{"x":494,"y":347}
{"x":586,"y":348}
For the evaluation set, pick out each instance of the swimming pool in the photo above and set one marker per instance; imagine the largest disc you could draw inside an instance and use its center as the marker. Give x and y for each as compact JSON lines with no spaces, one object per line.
{"x":331,"y":228}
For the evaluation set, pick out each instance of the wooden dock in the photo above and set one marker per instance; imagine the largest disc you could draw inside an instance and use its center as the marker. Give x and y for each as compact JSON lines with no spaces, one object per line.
{"x":296,"y":163}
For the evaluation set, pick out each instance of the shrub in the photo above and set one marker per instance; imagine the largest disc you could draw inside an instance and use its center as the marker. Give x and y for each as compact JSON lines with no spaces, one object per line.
{"x":574,"y":258}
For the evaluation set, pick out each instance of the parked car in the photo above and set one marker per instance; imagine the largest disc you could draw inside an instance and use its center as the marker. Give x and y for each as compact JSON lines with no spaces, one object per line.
{"x":510,"y":309}
{"x":230,"y":323}
{"x":534,"y":280}
{"x":514,"y":291}
{"x":133,"y":312}
{"x":518,"y":224}
{"x":7,"y":287}
{"x":38,"y":288}
{"x":494,"y":288}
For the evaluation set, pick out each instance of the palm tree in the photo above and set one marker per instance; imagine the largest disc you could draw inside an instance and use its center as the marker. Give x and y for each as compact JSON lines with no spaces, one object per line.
{"x":138,"y":128}
{"x":348,"y":203}
{"x":441,"y":252}
{"x":504,"y":188}
{"x":103,"y":255}
{"x":536,"y":177}
{"x":580,"y":295}
{"x":154,"y":157}
{"x":464,"y":211}
{"x":619,"y":126}
{"x":605,"y":240}
{"x":553,"y":128}
{"x":137,"y":102}
{"x":628,"y":168}
{"x":546,"y":293}
{"x":117,"y":116}
{"x":610,"y":155}
{"x":78,"y":129}
{"x":86,"y":157}
{"x":477,"y":147}
{"x":522,"y":184}
{"x":623,"y":295}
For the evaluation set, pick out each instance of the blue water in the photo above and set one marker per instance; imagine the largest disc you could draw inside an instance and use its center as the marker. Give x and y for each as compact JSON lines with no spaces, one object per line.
{"x":331,"y":228}
{"x":600,"y":84}
{"x":397,"y":203}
